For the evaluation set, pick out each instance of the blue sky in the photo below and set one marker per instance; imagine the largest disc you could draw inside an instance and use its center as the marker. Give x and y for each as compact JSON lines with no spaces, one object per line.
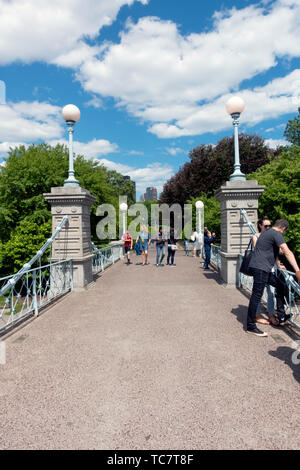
{"x":151,"y":77}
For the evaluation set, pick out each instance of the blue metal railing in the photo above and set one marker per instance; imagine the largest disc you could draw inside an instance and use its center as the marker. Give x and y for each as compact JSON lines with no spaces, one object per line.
{"x":216,"y":256}
{"x":35,"y":289}
{"x":106,"y":256}
{"x":31,"y":288}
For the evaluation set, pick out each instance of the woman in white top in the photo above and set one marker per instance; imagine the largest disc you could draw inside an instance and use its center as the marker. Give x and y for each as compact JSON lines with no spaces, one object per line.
{"x":195,"y":239}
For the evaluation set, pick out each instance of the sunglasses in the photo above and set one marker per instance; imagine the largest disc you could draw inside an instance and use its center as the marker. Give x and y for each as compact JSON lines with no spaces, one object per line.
{"x":266,"y":226}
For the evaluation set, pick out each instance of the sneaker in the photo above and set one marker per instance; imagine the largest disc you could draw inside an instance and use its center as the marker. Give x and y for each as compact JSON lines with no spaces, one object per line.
{"x":284,"y":319}
{"x":173,"y":265}
{"x":257,"y":332}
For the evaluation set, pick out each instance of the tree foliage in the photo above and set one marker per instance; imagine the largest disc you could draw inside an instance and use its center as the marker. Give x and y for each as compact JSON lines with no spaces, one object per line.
{"x":24,"y":213}
{"x":210,"y":166}
{"x":281,"y":197}
{"x":292,"y":130}
{"x":23,"y":244}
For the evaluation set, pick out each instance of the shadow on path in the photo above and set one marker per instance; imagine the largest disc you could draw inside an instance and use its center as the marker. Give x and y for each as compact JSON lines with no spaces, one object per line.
{"x":241,"y":314}
{"x":212,"y":275}
{"x":289,"y":356}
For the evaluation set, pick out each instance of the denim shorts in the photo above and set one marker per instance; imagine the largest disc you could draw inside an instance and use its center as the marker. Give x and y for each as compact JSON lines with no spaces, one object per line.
{"x":144,"y":245}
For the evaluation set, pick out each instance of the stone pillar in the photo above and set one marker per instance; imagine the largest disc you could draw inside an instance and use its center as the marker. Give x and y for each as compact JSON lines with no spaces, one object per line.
{"x":74,"y":241}
{"x":235,"y":233}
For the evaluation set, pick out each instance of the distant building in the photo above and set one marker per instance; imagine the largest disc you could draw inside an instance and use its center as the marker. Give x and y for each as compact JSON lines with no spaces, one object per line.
{"x":150,"y":194}
{"x":128,"y":178}
{"x":142,"y":199}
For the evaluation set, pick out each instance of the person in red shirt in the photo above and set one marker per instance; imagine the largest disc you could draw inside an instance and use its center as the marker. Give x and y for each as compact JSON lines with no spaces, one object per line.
{"x":127,"y":238}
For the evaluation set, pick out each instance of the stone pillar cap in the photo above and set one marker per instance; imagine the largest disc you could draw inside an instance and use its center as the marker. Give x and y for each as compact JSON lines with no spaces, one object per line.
{"x":69,"y":191}
{"x":248,"y":187}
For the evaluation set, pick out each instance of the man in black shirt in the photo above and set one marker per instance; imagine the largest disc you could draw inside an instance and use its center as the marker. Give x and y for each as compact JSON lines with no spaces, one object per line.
{"x":263,"y":259}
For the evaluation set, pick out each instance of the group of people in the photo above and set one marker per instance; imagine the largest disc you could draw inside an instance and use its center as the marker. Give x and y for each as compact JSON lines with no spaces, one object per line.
{"x":268,"y":244}
{"x":142,"y":246}
{"x":208,"y":241}
{"x":144,"y":240}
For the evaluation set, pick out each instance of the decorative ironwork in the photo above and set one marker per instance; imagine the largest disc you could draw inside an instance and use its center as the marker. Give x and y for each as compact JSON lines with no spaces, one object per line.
{"x":216,"y":256}
{"x":106,"y":256}
{"x":32,"y":291}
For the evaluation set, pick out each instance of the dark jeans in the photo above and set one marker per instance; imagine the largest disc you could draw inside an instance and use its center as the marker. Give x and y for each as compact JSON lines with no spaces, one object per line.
{"x":260,"y":280}
{"x":207,"y":257}
{"x":171,"y":254}
{"x":160,"y":249}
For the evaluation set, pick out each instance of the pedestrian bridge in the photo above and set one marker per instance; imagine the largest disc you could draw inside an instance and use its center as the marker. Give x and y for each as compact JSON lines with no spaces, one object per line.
{"x":149,"y":358}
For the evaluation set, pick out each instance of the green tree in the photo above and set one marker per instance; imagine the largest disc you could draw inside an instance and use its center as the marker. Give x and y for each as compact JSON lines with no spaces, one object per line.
{"x":23,"y":245}
{"x":281,"y":197}
{"x":122,"y":186}
{"x":28,"y":174}
{"x":210,"y":167}
{"x":292,"y":130}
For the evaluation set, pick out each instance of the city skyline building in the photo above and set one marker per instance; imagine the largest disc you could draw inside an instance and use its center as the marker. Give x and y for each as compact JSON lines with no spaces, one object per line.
{"x":150,"y":194}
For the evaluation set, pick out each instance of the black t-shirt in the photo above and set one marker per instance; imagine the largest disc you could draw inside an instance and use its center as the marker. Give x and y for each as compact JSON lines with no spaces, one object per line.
{"x":160,"y":240}
{"x":171,"y":240}
{"x":266,"y":250}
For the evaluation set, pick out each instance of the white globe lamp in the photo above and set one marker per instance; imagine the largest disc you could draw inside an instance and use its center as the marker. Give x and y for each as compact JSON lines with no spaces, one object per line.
{"x":71,"y":115}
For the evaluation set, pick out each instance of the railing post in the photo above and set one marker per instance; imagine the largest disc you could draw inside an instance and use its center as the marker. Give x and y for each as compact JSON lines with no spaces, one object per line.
{"x":35,"y":300}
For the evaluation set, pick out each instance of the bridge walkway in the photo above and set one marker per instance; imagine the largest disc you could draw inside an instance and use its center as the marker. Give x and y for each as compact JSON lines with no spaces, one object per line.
{"x":149,"y":358}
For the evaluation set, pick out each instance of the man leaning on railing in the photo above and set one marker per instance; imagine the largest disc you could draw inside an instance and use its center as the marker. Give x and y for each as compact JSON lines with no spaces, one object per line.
{"x":261,"y":264}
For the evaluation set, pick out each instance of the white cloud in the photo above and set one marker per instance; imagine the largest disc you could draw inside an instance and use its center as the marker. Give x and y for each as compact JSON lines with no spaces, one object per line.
{"x":136,"y":152}
{"x":178,"y":84}
{"x":175,"y":88}
{"x":74,"y":58}
{"x":6,"y":146}
{"x":154,"y":174}
{"x":274,"y":143}
{"x":52,"y":31}
{"x":25,"y":121}
{"x":95,"y":102}
{"x":268,"y":102}
{"x":89,"y":150}
{"x":175,"y":151}
{"x":114,"y":166}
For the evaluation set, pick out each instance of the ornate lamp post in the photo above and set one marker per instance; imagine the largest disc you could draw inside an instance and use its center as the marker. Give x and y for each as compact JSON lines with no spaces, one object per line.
{"x":235,"y":106}
{"x":71,"y":115}
{"x":123,"y":209}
